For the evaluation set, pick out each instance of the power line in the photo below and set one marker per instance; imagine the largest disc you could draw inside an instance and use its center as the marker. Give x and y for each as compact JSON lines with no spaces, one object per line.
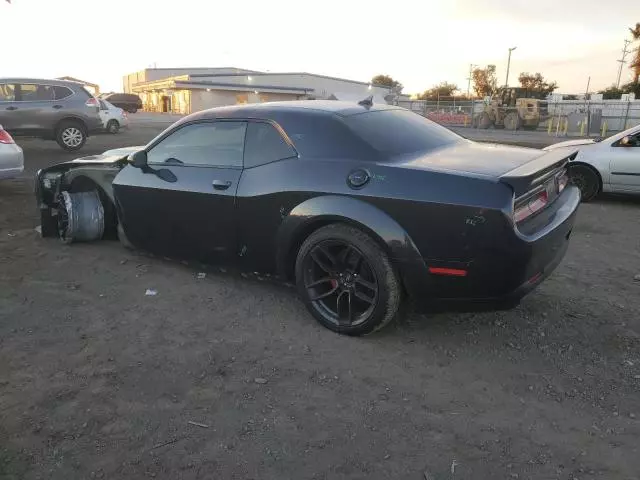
{"x":622,"y":61}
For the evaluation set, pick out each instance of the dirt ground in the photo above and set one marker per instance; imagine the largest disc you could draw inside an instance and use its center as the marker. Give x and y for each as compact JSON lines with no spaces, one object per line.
{"x":226,"y":377}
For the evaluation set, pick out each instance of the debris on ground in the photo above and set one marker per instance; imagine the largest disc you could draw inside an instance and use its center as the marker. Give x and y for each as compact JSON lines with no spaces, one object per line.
{"x":260,"y":381}
{"x":151,"y":292}
{"x":198,"y":424}
{"x":38,"y":229}
{"x":637,"y":277}
{"x":201,"y":275}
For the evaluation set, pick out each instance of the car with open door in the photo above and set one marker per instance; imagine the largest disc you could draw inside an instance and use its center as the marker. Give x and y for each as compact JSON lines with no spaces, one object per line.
{"x":609,"y":164}
{"x":358,"y":204}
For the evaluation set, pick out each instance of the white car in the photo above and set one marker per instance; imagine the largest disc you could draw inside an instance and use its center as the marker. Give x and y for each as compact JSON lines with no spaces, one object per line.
{"x":113,"y":118}
{"x":11,"y":156}
{"x":611,"y":164}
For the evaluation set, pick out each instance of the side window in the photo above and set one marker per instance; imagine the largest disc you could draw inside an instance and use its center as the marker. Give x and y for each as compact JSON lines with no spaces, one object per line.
{"x":7,"y":92}
{"x":62,"y":92}
{"x":265,"y":144}
{"x":26,"y":92}
{"x":103,"y":106}
{"x":216,"y":144}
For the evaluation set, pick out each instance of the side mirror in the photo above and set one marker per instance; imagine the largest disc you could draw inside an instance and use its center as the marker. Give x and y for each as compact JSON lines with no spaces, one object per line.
{"x":625,"y":141}
{"x":138,"y":159}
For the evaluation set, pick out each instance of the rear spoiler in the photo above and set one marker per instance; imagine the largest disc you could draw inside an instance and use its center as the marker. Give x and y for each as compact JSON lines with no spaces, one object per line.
{"x":533,"y":173}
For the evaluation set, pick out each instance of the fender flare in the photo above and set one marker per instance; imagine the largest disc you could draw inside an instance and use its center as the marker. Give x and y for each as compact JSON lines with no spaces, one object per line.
{"x":319,"y":211}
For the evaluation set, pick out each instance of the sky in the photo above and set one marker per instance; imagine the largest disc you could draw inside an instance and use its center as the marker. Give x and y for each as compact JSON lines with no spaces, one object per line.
{"x":418,"y":42}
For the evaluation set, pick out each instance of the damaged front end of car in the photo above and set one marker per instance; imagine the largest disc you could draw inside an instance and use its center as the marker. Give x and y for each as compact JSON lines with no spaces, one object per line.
{"x":75,"y":198}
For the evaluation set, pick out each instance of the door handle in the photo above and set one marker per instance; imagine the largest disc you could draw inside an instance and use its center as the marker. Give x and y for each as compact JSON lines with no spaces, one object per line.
{"x":57,"y":106}
{"x":11,"y":108}
{"x":221,"y":184}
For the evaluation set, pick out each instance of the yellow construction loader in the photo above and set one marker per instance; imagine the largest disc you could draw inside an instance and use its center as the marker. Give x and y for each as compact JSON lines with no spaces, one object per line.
{"x":512,"y":109}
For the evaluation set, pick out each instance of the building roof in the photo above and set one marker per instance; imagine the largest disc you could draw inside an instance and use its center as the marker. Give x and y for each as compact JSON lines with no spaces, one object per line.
{"x":241,"y":87}
{"x":267,"y":110}
{"x":241,"y":70}
{"x":264,"y":74}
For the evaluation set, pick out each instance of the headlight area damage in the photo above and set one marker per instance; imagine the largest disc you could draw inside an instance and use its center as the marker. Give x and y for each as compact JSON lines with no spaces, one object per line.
{"x":76,"y":199}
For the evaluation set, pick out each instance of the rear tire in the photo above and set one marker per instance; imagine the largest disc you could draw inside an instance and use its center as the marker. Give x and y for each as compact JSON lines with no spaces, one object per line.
{"x":71,"y":135}
{"x":113,"y":126}
{"x":587,"y":180}
{"x":347,"y":281}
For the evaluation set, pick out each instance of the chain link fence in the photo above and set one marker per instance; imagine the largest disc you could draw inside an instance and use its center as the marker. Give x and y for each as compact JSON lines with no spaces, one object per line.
{"x":566,"y":117}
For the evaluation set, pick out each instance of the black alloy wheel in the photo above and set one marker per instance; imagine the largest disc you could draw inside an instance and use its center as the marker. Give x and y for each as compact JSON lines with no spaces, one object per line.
{"x":347,"y":281}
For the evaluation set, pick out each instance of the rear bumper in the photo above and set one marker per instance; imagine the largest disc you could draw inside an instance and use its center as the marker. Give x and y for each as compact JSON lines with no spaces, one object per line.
{"x":11,"y":161}
{"x":10,"y":172}
{"x":502,"y":276}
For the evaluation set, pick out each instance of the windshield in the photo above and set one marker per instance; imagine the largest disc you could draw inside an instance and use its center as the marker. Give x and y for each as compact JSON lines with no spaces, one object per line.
{"x":398,"y":132}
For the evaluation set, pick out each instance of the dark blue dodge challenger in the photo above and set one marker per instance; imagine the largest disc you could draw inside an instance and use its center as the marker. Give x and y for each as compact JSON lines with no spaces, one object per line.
{"x":359,"y":204}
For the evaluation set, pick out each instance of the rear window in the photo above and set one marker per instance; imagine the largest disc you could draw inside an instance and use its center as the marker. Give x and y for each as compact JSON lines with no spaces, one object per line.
{"x":323,"y":136}
{"x":398,"y":132}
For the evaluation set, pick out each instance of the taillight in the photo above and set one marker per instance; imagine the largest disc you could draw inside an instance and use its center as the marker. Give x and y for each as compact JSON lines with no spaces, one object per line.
{"x":5,"y":137}
{"x":92,"y":102}
{"x":530,"y":206}
{"x":563,"y":180}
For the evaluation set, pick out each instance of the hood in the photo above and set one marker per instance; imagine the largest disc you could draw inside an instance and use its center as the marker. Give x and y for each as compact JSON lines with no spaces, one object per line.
{"x":571,"y":143}
{"x":480,"y":159}
{"x":123,"y":151}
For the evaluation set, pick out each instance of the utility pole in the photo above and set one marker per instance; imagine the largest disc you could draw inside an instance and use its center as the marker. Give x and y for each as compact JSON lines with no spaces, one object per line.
{"x":506,"y":82}
{"x":471,"y":67}
{"x":622,"y":61}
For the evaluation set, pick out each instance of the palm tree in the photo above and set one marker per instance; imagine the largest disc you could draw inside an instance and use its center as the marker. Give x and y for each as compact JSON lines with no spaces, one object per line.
{"x":635,"y":33}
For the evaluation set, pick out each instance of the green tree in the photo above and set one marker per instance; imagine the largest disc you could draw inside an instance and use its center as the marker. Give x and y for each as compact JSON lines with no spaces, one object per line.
{"x":535,"y":82}
{"x":387,"y":81}
{"x":611,"y":93}
{"x":485,"y":82}
{"x":614,"y":93}
{"x":631,"y":87}
{"x":635,"y":64}
{"x":443,"y":89}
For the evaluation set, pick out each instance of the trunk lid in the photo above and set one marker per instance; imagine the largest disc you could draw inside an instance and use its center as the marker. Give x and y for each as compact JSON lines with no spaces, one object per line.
{"x":479,"y":159}
{"x":523,"y":169}
{"x":537,"y":171}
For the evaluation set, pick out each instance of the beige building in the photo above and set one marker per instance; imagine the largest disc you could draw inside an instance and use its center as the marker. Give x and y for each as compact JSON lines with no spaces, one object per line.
{"x":190,"y":90}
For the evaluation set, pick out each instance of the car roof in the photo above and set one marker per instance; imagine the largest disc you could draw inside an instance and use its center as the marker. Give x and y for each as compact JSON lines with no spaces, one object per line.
{"x":268,"y":109}
{"x":48,"y":81}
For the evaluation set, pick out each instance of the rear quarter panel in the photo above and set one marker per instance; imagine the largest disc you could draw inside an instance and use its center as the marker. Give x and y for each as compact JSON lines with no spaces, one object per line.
{"x":446,"y":217}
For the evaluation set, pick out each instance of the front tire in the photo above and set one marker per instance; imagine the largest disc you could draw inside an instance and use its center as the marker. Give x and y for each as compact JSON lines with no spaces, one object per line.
{"x":586,"y":179}
{"x":347,"y":281}
{"x":484,"y":121}
{"x":71,"y":135}
{"x":512,"y":121}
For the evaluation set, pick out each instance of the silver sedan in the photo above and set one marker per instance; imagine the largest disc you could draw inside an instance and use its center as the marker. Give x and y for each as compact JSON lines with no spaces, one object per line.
{"x":11,"y":156}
